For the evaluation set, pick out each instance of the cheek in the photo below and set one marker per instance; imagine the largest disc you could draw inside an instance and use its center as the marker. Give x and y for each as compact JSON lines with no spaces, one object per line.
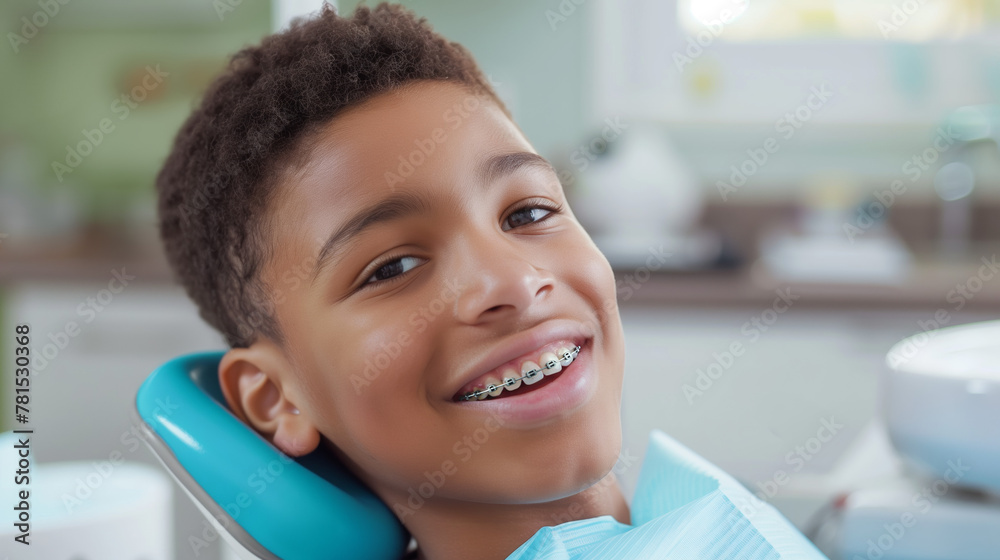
{"x":372,"y":405}
{"x":597,"y":283}
{"x":372,"y":375}
{"x":588,"y":262}
{"x":593,"y":278}
{"x":395,"y":439}
{"x":364,"y":352}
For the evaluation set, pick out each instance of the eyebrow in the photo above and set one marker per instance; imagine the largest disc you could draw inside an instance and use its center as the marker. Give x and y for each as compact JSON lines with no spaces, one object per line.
{"x":402,"y":204}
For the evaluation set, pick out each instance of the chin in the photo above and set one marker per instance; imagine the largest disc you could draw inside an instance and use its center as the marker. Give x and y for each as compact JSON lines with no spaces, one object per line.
{"x":566,"y":464}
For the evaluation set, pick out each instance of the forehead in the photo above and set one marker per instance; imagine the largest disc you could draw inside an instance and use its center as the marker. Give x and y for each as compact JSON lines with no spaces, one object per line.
{"x":426,"y":137}
{"x":403,"y":134}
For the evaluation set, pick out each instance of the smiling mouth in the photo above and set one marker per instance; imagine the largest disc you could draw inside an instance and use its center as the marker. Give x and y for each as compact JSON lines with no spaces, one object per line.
{"x":529,"y":381}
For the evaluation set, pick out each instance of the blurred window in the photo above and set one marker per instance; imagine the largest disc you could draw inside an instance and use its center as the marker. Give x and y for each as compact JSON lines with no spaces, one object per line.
{"x":897,"y":20}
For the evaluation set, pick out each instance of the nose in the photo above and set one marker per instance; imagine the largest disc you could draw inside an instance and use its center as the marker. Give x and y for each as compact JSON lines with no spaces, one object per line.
{"x":498,"y":278}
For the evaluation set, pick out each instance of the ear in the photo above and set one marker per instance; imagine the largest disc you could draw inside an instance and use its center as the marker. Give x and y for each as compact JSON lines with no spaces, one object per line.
{"x":255,"y":381}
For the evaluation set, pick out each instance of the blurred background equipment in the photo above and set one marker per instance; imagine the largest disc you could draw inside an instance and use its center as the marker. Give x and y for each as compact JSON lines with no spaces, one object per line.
{"x":640,"y":198}
{"x":940,"y":406}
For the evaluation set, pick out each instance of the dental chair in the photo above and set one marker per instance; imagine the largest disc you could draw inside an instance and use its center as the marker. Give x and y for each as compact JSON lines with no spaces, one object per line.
{"x":263,"y":503}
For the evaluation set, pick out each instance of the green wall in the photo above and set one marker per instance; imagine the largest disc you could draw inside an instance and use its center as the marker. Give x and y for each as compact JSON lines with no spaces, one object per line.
{"x":542,"y":70}
{"x":65,"y":79}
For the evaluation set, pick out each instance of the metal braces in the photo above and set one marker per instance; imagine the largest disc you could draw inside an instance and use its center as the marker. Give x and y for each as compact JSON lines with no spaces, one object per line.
{"x":531,"y":374}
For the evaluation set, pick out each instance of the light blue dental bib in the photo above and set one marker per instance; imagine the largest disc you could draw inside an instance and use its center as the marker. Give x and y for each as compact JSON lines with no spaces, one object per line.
{"x":684,"y":508}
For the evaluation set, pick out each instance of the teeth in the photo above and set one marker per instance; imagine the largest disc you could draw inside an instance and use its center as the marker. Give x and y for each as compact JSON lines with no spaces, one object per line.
{"x":550,"y":363}
{"x":494,"y":386}
{"x":511,"y":379}
{"x":531,"y":373}
{"x":531,"y":378}
{"x":565,"y":357}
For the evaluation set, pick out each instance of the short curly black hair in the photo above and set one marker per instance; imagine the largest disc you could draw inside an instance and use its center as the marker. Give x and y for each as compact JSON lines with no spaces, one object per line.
{"x":226,"y":161}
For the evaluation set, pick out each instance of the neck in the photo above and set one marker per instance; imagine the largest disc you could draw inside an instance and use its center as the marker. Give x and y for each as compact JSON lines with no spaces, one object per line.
{"x":493,"y":532}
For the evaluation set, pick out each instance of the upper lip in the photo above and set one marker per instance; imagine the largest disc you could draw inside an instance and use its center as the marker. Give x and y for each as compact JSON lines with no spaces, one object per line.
{"x":521,"y":344}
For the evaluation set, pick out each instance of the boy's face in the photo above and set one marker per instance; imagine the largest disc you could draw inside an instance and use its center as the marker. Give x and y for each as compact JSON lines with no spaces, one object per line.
{"x":450,"y":287}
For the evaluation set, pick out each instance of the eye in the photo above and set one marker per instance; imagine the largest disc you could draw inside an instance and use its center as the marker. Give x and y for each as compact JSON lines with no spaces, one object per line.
{"x":392,"y":268}
{"x":524,"y":214}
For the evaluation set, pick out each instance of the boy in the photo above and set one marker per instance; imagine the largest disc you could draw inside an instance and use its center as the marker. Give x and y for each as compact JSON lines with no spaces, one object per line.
{"x":400,"y":279}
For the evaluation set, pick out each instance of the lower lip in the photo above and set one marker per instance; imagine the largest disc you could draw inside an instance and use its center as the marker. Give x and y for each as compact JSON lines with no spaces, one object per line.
{"x":571,"y":389}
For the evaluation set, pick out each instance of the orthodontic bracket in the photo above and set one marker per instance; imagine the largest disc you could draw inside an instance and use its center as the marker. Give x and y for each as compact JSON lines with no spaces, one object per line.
{"x":510,"y":381}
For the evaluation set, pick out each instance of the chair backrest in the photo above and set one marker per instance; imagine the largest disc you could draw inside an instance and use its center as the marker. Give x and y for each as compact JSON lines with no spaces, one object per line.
{"x":273,"y":506}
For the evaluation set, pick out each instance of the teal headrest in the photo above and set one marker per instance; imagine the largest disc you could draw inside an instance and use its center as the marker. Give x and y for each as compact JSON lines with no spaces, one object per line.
{"x":309,"y":508}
